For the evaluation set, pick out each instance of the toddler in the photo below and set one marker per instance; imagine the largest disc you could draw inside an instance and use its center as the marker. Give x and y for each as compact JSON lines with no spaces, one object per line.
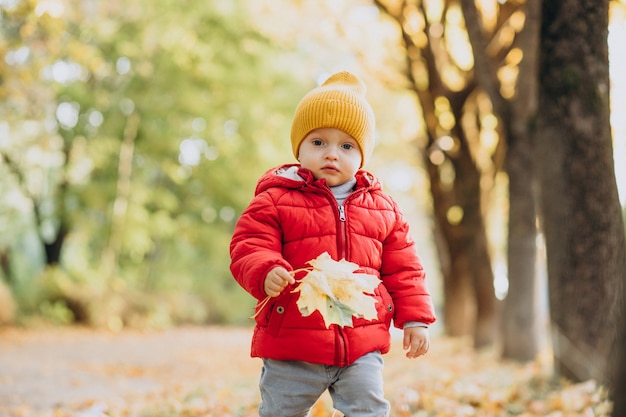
{"x":328,"y":203}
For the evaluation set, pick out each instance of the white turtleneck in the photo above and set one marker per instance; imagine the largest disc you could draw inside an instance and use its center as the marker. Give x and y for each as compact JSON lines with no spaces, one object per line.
{"x":342,"y":191}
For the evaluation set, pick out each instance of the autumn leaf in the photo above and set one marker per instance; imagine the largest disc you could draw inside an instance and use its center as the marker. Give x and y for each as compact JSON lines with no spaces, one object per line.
{"x":336,"y":291}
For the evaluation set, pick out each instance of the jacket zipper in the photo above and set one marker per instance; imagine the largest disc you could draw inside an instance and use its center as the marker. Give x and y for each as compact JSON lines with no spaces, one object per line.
{"x":342,"y":221}
{"x":341,"y":348}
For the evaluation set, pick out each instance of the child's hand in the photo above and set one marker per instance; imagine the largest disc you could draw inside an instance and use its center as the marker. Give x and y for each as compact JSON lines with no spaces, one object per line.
{"x":416,"y":341}
{"x":276,"y":281}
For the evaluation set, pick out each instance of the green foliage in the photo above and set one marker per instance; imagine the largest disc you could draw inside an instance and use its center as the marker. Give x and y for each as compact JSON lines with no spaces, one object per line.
{"x":135,"y":137}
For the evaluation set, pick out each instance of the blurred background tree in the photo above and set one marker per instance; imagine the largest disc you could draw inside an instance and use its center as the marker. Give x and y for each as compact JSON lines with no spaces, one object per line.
{"x":131,"y":138}
{"x":579,"y":202}
{"x":474,"y":67}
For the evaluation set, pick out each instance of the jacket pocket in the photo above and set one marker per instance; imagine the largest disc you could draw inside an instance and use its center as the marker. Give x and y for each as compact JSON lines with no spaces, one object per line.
{"x":386,"y":307}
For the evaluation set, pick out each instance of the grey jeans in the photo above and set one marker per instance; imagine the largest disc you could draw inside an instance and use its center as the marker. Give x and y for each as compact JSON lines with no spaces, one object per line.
{"x":290,"y":388}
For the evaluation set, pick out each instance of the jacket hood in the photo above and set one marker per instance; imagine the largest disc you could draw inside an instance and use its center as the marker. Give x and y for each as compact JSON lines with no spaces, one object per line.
{"x":293,"y":176}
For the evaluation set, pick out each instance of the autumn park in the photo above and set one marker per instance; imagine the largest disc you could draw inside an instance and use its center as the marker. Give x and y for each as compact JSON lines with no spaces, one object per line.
{"x":132,"y":138}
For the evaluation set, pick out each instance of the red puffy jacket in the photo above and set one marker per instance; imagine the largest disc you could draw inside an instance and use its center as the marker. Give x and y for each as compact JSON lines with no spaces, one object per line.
{"x":290,"y":222}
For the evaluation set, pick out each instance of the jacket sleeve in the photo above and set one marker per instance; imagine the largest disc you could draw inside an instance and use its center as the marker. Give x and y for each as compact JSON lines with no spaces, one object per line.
{"x":403,"y":275}
{"x":256,"y":245}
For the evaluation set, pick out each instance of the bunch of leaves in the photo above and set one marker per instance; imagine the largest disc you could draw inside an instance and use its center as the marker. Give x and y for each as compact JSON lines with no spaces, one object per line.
{"x":335,"y":290}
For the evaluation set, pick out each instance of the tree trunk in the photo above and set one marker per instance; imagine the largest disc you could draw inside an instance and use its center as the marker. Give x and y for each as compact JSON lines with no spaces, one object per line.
{"x":5,"y":266}
{"x":110,"y":255}
{"x":619,"y":381}
{"x":459,"y":308}
{"x":470,"y":303}
{"x":579,"y":200}
{"x":520,"y":333}
{"x":53,"y":250}
{"x":520,"y":318}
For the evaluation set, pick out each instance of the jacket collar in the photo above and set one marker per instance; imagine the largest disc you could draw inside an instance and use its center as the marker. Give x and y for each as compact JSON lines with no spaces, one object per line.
{"x":293,"y":176}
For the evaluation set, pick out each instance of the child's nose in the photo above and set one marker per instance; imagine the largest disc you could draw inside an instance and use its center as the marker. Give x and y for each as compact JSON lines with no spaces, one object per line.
{"x":332,"y":152}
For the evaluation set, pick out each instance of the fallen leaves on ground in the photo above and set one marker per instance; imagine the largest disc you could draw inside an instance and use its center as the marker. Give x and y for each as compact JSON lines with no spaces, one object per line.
{"x":460,"y":382}
{"x":215,"y":378}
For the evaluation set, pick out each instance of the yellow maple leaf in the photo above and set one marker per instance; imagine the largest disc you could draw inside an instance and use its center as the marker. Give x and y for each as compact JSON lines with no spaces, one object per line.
{"x":336,"y":291}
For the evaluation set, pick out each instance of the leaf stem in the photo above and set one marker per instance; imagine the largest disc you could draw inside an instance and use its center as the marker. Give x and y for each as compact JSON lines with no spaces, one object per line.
{"x":266,"y":300}
{"x":262,"y":305}
{"x":296,"y":271}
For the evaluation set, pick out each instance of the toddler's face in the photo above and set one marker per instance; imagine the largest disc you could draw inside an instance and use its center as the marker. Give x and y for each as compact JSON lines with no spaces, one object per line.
{"x":331,"y":154}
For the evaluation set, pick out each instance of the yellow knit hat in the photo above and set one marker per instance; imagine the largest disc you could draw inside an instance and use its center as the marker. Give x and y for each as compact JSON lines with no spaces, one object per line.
{"x":339,"y":103}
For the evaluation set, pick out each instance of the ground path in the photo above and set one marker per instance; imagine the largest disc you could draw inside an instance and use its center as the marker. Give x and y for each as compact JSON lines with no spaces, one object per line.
{"x":207,"y":371}
{"x":73,"y":368}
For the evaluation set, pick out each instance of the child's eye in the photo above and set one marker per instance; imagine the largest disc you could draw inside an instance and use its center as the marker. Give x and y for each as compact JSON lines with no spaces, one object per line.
{"x":347,"y":146}
{"x":317,"y":142}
